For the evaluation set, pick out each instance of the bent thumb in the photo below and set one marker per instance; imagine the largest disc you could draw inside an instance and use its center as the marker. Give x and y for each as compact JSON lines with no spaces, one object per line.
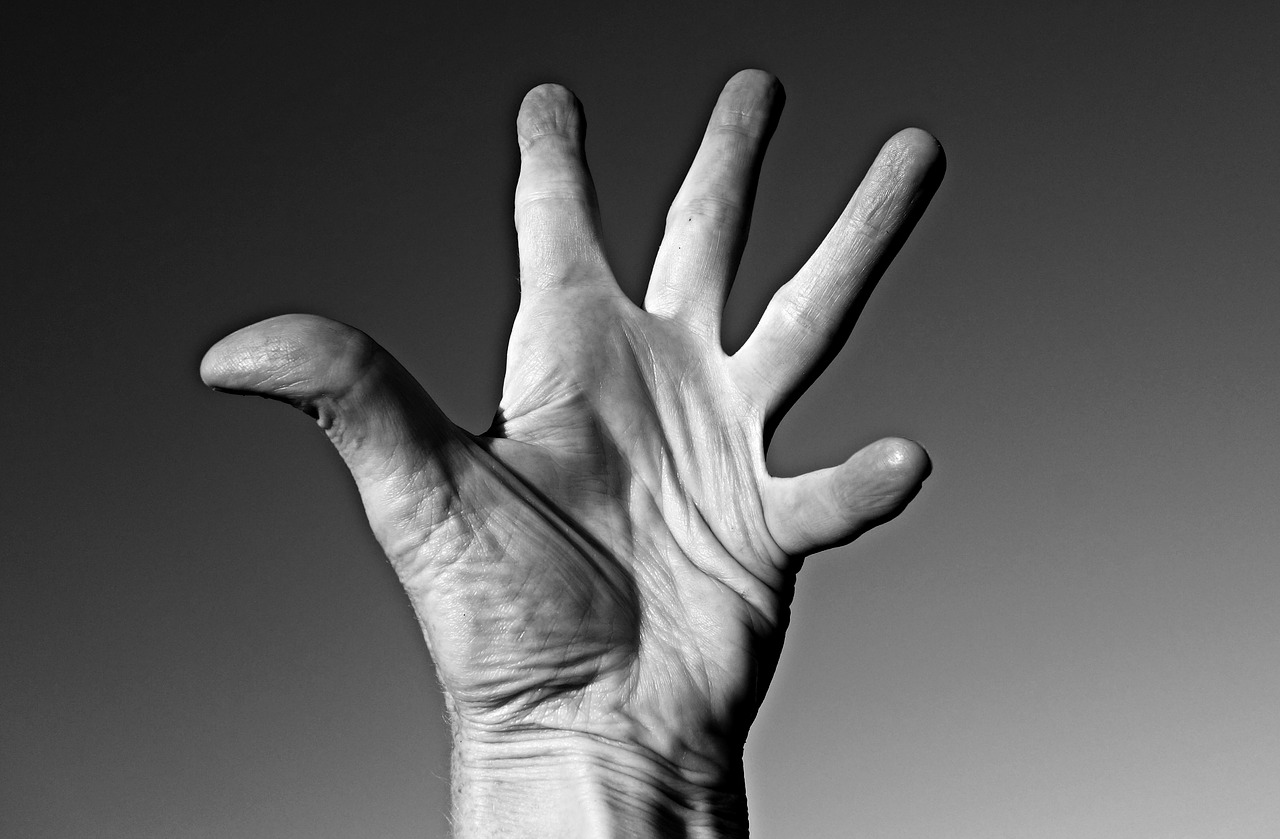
{"x":394,"y":439}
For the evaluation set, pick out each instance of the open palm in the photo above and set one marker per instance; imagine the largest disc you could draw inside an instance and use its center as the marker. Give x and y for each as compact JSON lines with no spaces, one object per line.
{"x":611,"y":558}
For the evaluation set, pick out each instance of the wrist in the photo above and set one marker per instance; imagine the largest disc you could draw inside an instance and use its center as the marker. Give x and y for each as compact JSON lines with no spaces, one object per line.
{"x":570,"y":785}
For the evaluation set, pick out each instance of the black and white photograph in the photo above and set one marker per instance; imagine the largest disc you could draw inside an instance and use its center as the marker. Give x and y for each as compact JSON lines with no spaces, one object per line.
{"x":660,"y":420}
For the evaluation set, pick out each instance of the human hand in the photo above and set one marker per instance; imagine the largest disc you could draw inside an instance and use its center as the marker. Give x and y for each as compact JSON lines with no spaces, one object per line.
{"x":604,"y":577}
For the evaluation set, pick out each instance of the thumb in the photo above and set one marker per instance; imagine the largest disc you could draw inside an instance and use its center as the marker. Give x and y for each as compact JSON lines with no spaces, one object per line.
{"x":394,"y":439}
{"x":832,"y":507}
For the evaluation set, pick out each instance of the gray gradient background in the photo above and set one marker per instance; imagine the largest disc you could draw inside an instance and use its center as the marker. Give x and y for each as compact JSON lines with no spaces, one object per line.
{"x":1074,"y":631}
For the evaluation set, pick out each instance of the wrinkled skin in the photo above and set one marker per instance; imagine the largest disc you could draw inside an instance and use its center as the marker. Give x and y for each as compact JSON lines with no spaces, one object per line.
{"x":612,"y":558}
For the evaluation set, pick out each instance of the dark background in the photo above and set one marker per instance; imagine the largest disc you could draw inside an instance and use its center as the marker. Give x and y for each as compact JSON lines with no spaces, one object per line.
{"x":1074,"y":630}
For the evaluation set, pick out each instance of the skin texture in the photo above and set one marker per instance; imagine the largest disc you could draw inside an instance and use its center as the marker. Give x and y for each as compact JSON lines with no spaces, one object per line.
{"x":604,"y":577}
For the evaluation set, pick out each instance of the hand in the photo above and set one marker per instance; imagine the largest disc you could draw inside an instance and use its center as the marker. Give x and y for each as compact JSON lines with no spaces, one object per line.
{"x":604,"y":577}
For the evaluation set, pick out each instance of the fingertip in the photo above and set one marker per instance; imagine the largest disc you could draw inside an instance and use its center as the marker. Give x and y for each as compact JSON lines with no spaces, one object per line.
{"x":917,"y":139}
{"x":903,"y":458}
{"x":751,"y":101}
{"x":753,"y":74}
{"x":549,"y":110}
{"x":921,"y":149}
{"x":231,"y":364}
{"x":831,"y":507}
{"x":755,"y":79}
{"x":291,"y":357}
{"x":211,"y":366}
{"x":549,"y":96}
{"x":878,"y":482}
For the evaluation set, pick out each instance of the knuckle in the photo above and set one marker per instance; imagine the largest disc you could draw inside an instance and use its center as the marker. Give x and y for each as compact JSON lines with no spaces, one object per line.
{"x":557,"y":198}
{"x":805,"y":312}
{"x":735,"y":123}
{"x":714,"y":210}
{"x":879,"y":206}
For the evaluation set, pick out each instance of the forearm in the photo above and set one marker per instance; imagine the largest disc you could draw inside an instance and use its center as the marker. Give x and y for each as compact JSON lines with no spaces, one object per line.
{"x":573,"y":786}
